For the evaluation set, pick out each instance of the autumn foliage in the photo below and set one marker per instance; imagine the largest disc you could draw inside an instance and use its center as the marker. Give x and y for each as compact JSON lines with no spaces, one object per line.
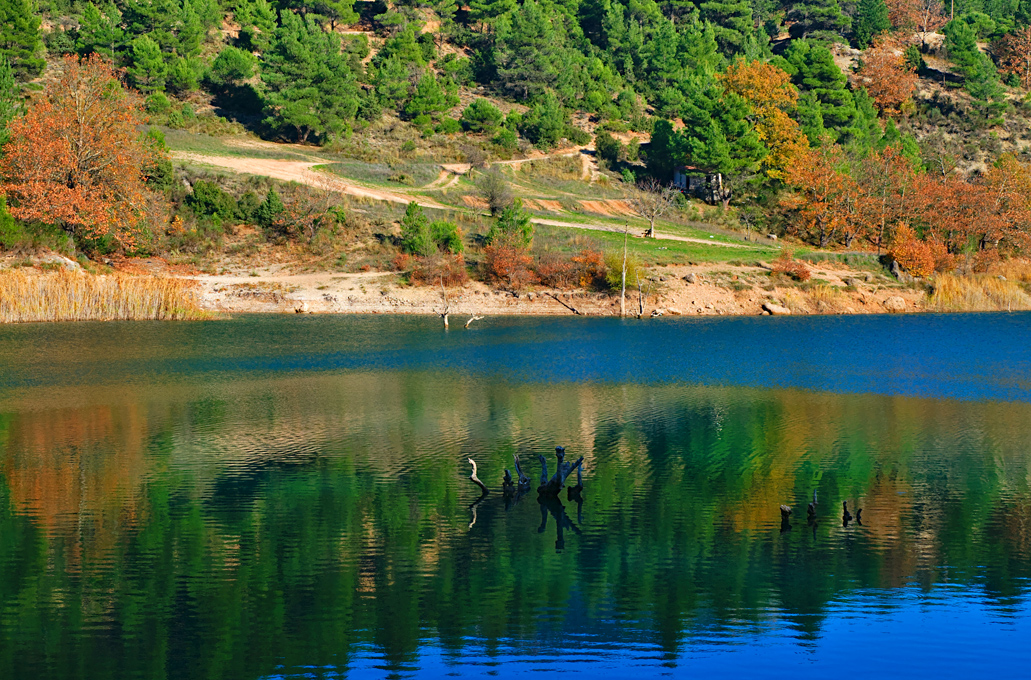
{"x":886,"y":76}
{"x":1014,"y":53}
{"x":768,"y":90}
{"x":786,"y":264}
{"x":77,"y":159}
{"x":885,"y":201}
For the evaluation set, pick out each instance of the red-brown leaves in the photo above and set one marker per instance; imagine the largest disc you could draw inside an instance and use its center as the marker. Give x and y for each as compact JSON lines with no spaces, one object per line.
{"x":887,"y":76}
{"x":76,"y":158}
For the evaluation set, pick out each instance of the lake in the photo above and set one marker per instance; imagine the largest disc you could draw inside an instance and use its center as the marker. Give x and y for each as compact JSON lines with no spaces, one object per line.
{"x":288,"y":496}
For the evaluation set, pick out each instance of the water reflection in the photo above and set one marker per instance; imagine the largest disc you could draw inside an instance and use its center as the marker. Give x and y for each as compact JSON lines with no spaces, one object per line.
{"x":245,"y":526}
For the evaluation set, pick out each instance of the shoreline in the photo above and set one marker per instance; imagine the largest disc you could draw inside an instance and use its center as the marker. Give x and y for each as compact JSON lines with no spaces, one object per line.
{"x":672,"y":290}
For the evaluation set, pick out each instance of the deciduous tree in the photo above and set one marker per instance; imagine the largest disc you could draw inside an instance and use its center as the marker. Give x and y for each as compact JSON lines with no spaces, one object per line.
{"x":887,"y":76}
{"x":77,"y":159}
{"x":1014,"y":53}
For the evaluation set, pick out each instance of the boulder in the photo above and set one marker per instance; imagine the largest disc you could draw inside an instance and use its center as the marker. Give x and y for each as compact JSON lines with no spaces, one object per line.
{"x":673,"y":311}
{"x":691,"y":278}
{"x":852,"y":282}
{"x":775,"y":309}
{"x":896,"y":303}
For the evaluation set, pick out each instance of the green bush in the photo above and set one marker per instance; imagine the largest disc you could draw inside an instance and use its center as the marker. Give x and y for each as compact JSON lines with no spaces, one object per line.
{"x":11,"y":232}
{"x":481,"y":116}
{"x":447,"y":237}
{"x":209,"y":199}
{"x":448,"y":126}
{"x":512,"y":223}
{"x":506,"y":139}
{"x":608,"y":147}
{"x":416,"y":238}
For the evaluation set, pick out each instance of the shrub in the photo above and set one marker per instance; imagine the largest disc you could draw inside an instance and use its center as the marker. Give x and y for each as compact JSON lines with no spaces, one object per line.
{"x":506,"y":139}
{"x":590,"y":268}
{"x":614,"y":270}
{"x":441,"y":268}
{"x":512,"y":224}
{"x":448,"y":126}
{"x":608,"y":147}
{"x":447,"y":236}
{"x":555,"y":270}
{"x":11,"y":233}
{"x":415,"y":232}
{"x":912,"y":254}
{"x":495,"y":190}
{"x":481,"y":116}
{"x":209,"y":199}
{"x":269,"y":211}
{"x":507,"y":262}
{"x":786,"y":264}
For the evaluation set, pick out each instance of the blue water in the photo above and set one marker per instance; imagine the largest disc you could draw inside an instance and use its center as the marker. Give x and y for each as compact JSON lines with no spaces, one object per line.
{"x":285,"y":496}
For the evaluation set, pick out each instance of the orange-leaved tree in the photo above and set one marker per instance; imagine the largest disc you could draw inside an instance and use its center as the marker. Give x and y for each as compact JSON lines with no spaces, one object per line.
{"x":77,"y":158}
{"x":1014,"y":53}
{"x":825,"y":197}
{"x":887,"y":76}
{"x":885,"y":180}
{"x":771,"y":95}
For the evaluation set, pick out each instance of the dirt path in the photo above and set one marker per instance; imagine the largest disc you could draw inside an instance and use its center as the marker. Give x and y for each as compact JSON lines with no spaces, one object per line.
{"x":302,"y":172}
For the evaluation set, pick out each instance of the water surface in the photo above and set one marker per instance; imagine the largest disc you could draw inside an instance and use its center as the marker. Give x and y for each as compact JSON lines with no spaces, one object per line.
{"x":287,"y":497}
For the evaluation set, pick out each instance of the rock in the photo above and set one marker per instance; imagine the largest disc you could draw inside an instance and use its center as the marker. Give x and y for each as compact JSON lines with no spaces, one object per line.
{"x":691,"y":278}
{"x":772,"y":237}
{"x":531,"y":296}
{"x":673,"y":311}
{"x":852,"y":282}
{"x":663,"y":278}
{"x":776,"y":310}
{"x":1001,"y":277}
{"x":301,"y":308}
{"x":658,"y":312}
{"x":869,"y":277}
{"x":897,"y":272}
{"x":896,"y":303}
{"x":764,"y":313}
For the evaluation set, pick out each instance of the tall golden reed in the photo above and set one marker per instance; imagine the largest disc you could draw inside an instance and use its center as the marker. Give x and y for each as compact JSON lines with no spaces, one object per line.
{"x":76,"y":296}
{"x":976,"y":293}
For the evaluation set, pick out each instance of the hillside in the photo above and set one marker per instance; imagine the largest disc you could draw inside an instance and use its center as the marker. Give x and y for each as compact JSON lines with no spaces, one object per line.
{"x":515,"y":142}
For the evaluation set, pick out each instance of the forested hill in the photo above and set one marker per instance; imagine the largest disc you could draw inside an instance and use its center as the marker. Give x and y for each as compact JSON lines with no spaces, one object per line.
{"x":770,"y":95}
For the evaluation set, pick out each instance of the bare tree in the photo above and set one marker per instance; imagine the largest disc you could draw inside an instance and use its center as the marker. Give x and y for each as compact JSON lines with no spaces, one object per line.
{"x":651,"y":200}
{"x":445,"y":311}
{"x":495,"y":190}
{"x":622,"y":288}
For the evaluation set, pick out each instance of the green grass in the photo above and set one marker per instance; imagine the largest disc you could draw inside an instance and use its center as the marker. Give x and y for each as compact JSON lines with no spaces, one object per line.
{"x":194,"y":142}
{"x":650,"y":251}
{"x":387,"y":175}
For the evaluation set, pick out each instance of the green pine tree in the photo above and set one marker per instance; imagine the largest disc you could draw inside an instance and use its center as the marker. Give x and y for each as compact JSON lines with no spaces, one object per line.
{"x":416,"y":238}
{"x":820,"y":20}
{"x":189,"y":31}
{"x":732,"y":23}
{"x":99,"y":31}
{"x":530,"y":53}
{"x":231,"y":66}
{"x":481,"y":116}
{"x":19,"y":38}
{"x":512,"y":223}
{"x":871,"y":19}
{"x":148,"y":69}
{"x":392,"y":83}
{"x":486,"y":12}
{"x":267,"y":214}
{"x":431,"y":97}
{"x":311,"y":89}
{"x":814,"y":71}
{"x":10,"y":100}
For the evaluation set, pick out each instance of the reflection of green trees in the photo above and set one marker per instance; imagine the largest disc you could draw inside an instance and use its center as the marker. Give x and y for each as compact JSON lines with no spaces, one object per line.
{"x":284,"y":532}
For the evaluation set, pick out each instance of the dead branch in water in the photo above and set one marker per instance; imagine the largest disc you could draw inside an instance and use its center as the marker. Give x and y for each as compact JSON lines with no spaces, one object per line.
{"x":574,"y":310}
{"x":475,"y":318}
{"x":477,"y":482}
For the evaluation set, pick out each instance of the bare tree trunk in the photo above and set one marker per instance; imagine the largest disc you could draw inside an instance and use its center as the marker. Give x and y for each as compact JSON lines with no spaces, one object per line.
{"x":651,"y":227}
{"x":622,"y":290}
{"x":640,"y":299}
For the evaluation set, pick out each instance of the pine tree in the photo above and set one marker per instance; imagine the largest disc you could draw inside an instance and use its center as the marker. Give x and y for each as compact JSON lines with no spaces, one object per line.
{"x":10,"y":99}
{"x":481,"y":116}
{"x":485,"y":12}
{"x":529,"y":53}
{"x":267,"y":214}
{"x":190,"y":31}
{"x":732,"y":23}
{"x":980,"y":77}
{"x":148,"y":68}
{"x":871,"y":20}
{"x":231,"y":66}
{"x":99,"y":31}
{"x":19,"y":38}
{"x":818,"y":20}
{"x":416,"y":238}
{"x":431,"y":97}
{"x":392,"y":83}
{"x":311,"y":88}
{"x":813,"y":70}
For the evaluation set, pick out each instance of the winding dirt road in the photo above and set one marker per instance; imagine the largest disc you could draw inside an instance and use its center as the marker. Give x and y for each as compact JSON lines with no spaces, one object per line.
{"x":303,"y":173}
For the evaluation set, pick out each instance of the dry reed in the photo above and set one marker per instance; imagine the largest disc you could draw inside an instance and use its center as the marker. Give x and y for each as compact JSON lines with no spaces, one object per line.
{"x":73,"y":296}
{"x":977,"y":293}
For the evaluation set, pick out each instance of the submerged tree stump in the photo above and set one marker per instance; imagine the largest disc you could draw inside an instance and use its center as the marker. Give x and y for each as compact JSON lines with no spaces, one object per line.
{"x":552,"y":487}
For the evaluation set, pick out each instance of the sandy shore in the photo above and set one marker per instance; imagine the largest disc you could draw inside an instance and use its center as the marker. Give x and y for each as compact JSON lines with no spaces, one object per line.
{"x":672,"y":290}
